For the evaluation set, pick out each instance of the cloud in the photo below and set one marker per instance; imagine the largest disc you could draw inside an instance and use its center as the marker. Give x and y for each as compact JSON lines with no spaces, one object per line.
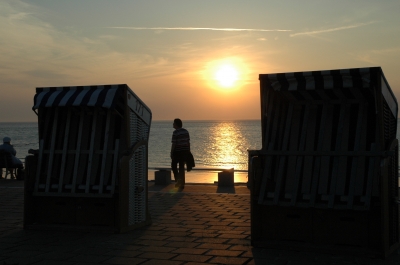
{"x":35,"y":53}
{"x":331,"y":30}
{"x":190,"y":28}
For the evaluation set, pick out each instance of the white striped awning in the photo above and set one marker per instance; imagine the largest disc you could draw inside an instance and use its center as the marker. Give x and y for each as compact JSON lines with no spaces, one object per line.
{"x":99,"y":96}
{"x":361,"y":78}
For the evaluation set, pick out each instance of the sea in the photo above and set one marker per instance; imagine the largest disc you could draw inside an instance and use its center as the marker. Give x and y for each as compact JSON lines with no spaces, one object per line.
{"x":214,"y":144}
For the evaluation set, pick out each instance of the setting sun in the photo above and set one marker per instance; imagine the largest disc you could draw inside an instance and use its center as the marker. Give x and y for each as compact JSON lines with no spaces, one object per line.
{"x":226,"y":75}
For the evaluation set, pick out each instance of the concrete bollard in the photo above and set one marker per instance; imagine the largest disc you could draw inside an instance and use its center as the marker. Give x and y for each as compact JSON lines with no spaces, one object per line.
{"x":226,"y":178}
{"x":162,"y":177}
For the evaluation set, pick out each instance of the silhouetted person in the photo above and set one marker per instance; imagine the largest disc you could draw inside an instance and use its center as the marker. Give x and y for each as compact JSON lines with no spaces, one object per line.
{"x":6,"y":146}
{"x":180,"y":151}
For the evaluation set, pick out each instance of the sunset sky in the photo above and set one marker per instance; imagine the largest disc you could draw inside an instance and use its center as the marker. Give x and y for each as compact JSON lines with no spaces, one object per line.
{"x":174,"y":54}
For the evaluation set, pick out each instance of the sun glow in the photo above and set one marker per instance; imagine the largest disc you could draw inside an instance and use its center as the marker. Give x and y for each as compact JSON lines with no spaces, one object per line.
{"x":226,"y":75}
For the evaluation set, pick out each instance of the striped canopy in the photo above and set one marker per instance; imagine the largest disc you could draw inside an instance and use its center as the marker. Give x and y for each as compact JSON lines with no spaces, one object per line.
{"x":99,"y":96}
{"x":360,"y":78}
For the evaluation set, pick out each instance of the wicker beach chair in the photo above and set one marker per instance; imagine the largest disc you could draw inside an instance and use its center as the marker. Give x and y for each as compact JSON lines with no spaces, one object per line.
{"x":327,"y":173}
{"x":91,"y":166}
{"x":6,"y":162}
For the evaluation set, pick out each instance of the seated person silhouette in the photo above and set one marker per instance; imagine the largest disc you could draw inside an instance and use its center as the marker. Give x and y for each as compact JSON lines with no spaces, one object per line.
{"x":6,"y":146}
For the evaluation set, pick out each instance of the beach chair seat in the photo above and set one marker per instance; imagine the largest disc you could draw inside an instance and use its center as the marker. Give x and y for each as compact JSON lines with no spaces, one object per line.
{"x":6,"y":162}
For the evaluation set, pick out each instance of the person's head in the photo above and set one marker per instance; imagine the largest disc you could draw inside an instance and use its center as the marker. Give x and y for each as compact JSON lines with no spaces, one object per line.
{"x":6,"y":140}
{"x":177,"y":123}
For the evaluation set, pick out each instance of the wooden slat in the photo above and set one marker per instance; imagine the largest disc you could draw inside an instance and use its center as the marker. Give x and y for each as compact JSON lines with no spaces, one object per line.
{"x":98,"y":148}
{"x":44,"y":131}
{"x":362,"y":160}
{"x":372,"y":170}
{"x":111,"y":149}
{"x":331,"y":153}
{"x":299,"y":162}
{"x":293,"y":146}
{"x":52,"y":147}
{"x":39,"y":166}
{"x":267,"y":119}
{"x":356,"y":161}
{"x":77,"y":152}
{"x":64,"y":152}
{"x":110,"y":152}
{"x":320,"y":146}
{"x":91,"y":148}
{"x":324,"y":175}
{"x":343,"y":176}
{"x":115,"y":166}
{"x":282,"y":159}
{"x":270,"y":137}
{"x":72,"y":143}
{"x":104,"y":157}
{"x":308,"y":160}
{"x":85,"y":144}
{"x":341,"y":144}
{"x":72,"y":195}
{"x":376,"y":178}
{"x":281,"y":129}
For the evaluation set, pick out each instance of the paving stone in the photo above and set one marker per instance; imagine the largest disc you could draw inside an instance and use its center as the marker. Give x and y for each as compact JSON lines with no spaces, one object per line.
{"x":192,"y":227}
{"x":195,"y":258}
{"x":123,"y":261}
{"x":124,"y":253}
{"x":164,"y":262}
{"x":229,"y":260}
{"x":182,"y":239}
{"x":212,"y":240}
{"x":224,"y":252}
{"x":231,"y":235}
{"x":57,"y":255}
{"x":221,"y":228}
{"x":157,"y":249}
{"x":178,"y":229}
{"x":175,"y":234}
{"x":52,"y":262}
{"x":152,"y":237}
{"x":22,"y":260}
{"x":205,"y":234}
{"x":182,"y":244}
{"x":157,"y":255}
{"x":213,"y":246}
{"x":196,"y":251}
{"x":90,"y":258}
{"x":245,"y":242}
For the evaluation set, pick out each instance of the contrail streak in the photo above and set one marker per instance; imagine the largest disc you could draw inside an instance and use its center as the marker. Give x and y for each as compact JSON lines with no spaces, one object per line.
{"x":213,"y":29}
{"x":330,"y":30}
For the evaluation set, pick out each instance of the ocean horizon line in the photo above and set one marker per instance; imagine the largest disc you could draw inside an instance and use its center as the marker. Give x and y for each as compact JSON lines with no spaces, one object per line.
{"x":207,"y":120}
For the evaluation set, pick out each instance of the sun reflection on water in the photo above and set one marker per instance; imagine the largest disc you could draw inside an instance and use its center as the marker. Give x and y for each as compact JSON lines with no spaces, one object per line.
{"x":226,"y":147}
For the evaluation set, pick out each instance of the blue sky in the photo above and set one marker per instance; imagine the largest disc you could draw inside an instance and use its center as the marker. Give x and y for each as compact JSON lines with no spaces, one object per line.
{"x":169,"y":51}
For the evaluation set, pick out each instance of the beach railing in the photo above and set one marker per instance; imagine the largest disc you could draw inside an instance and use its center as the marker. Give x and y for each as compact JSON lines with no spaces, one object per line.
{"x":91,"y":165}
{"x":327,"y":174}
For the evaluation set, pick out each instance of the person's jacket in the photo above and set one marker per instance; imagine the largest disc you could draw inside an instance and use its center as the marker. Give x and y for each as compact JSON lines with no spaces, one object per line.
{"x":189,"y":162}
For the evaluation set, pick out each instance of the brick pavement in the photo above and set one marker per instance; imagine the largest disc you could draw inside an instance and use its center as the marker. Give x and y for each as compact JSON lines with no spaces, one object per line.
{"x":202,"y":224}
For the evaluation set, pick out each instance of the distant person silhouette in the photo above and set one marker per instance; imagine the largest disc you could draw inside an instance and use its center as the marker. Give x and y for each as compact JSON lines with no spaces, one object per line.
{"x":180,"y":152}
{"x":6,"y":146}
